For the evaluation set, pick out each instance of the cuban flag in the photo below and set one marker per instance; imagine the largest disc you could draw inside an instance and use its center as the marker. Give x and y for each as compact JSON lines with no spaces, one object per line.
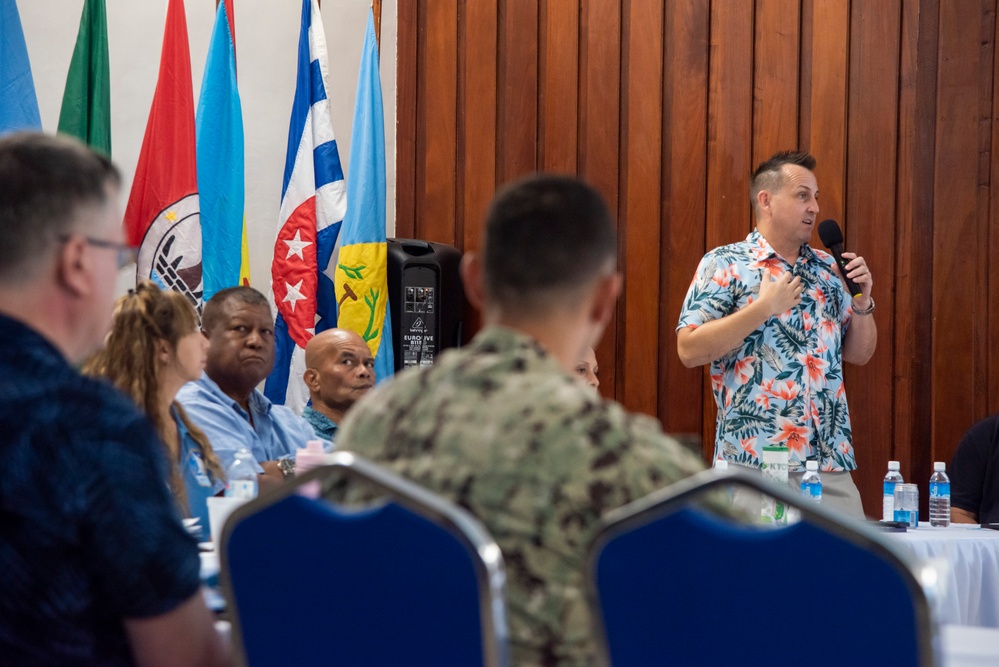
{"x":313,"y":202}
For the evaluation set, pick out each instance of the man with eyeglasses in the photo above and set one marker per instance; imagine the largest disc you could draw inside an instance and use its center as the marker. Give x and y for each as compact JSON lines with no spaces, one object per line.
{"x":98,"y":568}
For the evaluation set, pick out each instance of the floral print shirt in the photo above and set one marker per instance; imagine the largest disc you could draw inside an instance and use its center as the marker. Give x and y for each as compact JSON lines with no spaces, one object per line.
{"x":784,"y":385}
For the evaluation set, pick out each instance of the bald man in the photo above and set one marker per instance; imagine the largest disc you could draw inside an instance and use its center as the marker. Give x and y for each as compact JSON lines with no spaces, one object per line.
{"x":339,"y":370}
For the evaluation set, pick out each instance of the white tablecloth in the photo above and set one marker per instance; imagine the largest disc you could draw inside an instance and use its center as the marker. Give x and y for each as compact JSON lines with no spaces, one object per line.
{"x":968,"y":563}
{"x":969,"y":647}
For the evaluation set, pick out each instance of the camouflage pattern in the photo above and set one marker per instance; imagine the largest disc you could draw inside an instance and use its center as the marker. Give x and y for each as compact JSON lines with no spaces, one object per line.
{"x":501,"y":429}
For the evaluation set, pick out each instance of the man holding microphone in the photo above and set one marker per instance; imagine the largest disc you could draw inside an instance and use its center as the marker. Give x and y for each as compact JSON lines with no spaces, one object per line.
{"x":773,"y":318}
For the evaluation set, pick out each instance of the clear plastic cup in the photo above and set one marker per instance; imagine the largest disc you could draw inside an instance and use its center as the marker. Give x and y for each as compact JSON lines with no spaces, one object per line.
{"x":907,"y":504}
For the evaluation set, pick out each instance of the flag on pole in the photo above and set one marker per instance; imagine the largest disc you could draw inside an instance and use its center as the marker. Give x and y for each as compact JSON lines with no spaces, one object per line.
{"x":163,"y":215}
{"x":18,"y":104}
{"x":362,"y":268}
{"x":86,"y":103}
{"x":220,"y":162}
{"x":313,"y":200}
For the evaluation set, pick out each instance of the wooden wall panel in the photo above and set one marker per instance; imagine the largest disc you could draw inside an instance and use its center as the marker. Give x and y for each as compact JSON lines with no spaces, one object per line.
{"x":667,"y":107}
{"x":957,"y":239}
{"x":641,"y":173}
{"x":558,"y":87}
{"x":477,"y":120}
{"x":684,"y":198}
{"x":599,"y":127}
{"x":438,"y":121}
{"x":517,"y":147}
{"x":993,"y":318}
{"x":875,"y":33}
{"x":775,"y":77}
{"x":407,"y":131}
{"x":824,"y":100}
{"x":913,"y":279}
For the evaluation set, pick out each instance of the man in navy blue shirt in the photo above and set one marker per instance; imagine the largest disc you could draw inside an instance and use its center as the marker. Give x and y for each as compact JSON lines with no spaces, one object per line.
{"x":97,"y":567}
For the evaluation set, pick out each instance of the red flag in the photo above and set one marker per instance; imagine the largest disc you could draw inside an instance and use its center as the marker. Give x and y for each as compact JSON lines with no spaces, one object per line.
{"x":163,"y":214}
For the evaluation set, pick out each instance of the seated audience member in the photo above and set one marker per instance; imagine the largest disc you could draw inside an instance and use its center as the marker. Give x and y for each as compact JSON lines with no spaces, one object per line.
{"x":974,"y":475}
{"x":154,"y":348}
{"x":503,"y":426}
{"x":587,"y":369}
{"x":339,"y":370}
{"x":97,"y":567}
{"x":225,"y":402}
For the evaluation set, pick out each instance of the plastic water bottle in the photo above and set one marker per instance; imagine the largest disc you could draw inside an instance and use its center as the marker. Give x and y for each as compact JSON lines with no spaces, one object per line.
{"x":241,"y":481}
{"x":888,"y":502}
{"x":811,"y":482}
{"x":939,"y":496}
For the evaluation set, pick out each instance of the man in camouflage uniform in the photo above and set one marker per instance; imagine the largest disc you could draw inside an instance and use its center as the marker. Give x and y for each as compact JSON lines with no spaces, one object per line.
{"x":503,"y":428}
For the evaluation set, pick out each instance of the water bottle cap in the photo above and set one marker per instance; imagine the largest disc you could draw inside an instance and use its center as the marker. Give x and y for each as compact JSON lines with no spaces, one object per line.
{"x":939,"y":466}
{"x":812,"y":465}
{"x":893,"y":465}
{"x":721,"y":464}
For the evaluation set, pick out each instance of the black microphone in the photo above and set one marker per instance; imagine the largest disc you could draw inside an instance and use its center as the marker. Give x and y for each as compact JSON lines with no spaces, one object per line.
{"x":832,"y":239}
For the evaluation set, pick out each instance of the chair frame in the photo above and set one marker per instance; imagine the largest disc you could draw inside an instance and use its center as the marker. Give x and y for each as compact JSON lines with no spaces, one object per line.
{"x":672,"y":498}
{"x":488,"y":560}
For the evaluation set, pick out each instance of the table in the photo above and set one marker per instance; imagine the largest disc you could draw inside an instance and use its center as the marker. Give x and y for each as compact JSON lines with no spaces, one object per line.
{"x":969,"y":647}
{"x":967,"y":560}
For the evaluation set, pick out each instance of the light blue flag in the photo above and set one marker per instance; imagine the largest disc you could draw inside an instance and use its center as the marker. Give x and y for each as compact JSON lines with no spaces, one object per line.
{"x":18,"y":104}
{"x":363,"y":260}
{"x":220,"y":162}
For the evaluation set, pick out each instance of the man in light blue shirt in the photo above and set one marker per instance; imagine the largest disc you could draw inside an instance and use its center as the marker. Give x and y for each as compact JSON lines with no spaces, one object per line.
{"x":225,"y":403}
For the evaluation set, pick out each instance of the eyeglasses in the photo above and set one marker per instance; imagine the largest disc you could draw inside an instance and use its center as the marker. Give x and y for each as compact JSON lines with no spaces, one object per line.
{"x":126,"y":254}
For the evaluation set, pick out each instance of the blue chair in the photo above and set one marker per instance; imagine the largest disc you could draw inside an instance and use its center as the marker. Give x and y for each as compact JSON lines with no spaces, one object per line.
{"x":409,"y":580}
{"x":674,"y":583}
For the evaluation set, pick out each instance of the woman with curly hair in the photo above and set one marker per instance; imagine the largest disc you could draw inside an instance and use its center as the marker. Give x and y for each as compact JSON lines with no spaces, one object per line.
{"x":154,"y":348}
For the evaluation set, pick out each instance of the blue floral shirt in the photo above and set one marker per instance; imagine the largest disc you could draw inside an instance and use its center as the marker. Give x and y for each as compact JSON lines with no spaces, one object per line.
{"x":784,"y":385}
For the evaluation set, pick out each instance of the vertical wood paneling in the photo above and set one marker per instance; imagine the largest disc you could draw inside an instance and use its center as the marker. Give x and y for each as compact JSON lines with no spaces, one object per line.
{"x":825,"y":133}
{"x":518,"y":84}
{"x":730,"y":140}
{"x":478,"y":117}
{"x":558,"y":87}
{"x":685,"y":121}
{"x":666,"y":107}
{"x":913,"y":277}
{"x":407,"y":133}
{"x":993,"y":320}
{"x":438,"y":110}
{"x":599,"y":127}
{"x":775,"y":78}
{"x":986,"y":82}
{"x":957,"y":242}
{"x":641,"y":174}
{"x":875,"y":33}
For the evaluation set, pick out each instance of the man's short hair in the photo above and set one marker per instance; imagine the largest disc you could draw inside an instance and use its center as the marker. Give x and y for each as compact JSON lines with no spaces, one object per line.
{"x":44,"y":181}
{"x":769,"y":175}
{"x":214,"y":312}
{"x":546,"y":237}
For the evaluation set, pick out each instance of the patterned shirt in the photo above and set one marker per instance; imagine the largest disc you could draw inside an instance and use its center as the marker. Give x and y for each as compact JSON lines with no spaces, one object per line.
{"x":501,"y":429}
{"x":89,"y":533}
{"x":323,"y":426}
{"x":784,"y":385}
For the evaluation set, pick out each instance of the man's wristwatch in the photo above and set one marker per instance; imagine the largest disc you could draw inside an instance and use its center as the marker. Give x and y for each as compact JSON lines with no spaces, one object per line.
{"x":287,"y":466}
{"x":865,"y":311}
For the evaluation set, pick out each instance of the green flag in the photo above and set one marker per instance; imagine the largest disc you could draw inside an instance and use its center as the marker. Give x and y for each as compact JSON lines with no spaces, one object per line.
{"x":86,"y":104}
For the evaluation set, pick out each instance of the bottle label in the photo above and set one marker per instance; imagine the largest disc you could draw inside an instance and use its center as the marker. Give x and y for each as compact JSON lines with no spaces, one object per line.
{"x":939,"y":489}
{"x":242,"y":488}
{"x":812,"y":491}
{"x":890,"y":488}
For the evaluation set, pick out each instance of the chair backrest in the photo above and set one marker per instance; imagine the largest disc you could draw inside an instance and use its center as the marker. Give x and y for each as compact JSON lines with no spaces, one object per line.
{"x":672,"y":582}
{"x":409,"y":580}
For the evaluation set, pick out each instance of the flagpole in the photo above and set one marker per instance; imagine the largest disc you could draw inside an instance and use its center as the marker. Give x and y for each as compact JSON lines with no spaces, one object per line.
{"x":376,"y":7}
